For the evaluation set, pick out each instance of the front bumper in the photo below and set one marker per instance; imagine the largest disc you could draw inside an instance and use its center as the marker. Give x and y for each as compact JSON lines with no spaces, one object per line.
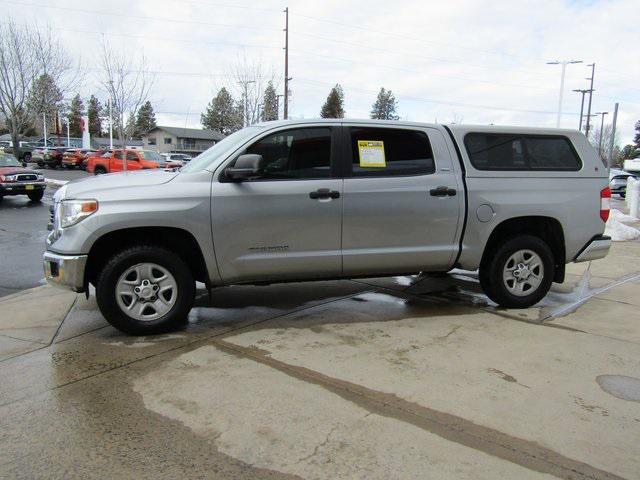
{"x":65,"y":271}
{"x":14,"y":188}
{"x":597,"y":248}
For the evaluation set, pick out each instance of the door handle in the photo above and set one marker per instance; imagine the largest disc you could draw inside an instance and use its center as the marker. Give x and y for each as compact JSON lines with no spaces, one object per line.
{"x":324,"y":193}
{"x":442,"y":191}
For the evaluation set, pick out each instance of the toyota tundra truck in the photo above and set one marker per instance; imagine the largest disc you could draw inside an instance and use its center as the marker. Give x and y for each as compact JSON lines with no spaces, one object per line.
{"x":327,"y":199}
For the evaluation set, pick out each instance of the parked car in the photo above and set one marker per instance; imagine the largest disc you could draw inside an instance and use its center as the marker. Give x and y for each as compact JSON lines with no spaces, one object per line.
{"x":136,"y":160}
{"x":74,"y":157}
{"x":50,"y":157}
{"x":618,"y":181}
{"x":310,"y":200}
{"x":23,"y":153}
{"x":18,"y":180}
{"x":177,"y":157}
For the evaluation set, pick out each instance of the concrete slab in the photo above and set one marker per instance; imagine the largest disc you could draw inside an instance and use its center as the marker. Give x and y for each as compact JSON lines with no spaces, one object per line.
{"x":533,"y":382}
{"x":12,"y":347}
{"x":35,"y":315}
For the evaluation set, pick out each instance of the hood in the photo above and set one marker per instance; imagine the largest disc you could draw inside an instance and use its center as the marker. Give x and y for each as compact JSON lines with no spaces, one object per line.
{"x":12,"y":170}
{"x":93,"y":186}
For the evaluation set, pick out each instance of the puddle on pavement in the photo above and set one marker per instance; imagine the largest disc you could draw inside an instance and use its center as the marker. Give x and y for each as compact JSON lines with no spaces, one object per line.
{"x":620,"y":386}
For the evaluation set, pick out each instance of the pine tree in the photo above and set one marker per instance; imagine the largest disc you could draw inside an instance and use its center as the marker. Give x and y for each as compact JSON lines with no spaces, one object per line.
{"x":385,"y":106}
{"x":334,"y":105}
{"x":270,"y":104}
{"x":45,"y":98}
{"x":636,"y":138}
{"x":76,"y":111}
{"x":130,"y":130}
{"x":146,"y":119}
{"x":94,"y":110}
{"x":222,"y":114}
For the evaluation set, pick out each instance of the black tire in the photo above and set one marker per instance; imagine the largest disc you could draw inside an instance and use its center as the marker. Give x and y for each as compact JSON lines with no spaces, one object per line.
{"x":27,"y":157}
{"x":111,"y":272}
{"x":622,"y":195}
{"x":41,"y":164}
{"x":99,"y":171}
{"x":491,"y":271}
{"x":36,"y":196}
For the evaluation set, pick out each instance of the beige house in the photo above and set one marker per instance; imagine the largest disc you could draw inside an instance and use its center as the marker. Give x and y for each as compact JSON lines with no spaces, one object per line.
{"x":191,"y":141}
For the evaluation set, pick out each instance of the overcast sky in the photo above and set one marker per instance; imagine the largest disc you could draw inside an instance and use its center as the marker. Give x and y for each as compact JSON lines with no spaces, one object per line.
{"x":464,"y":61}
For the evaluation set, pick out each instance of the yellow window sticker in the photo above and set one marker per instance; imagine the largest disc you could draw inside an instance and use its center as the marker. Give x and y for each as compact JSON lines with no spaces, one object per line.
{"x":371,"y":153}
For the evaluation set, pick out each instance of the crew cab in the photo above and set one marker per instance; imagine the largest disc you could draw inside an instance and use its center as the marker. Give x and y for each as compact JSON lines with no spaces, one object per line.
{"x":326,"y":199}
{"x":135,"y":159}
{"x":18,"y":180}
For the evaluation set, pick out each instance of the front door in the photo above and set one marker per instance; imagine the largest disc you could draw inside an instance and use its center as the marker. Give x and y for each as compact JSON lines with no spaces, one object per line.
{"x":286,"y":222}
{"x":402,"y":201}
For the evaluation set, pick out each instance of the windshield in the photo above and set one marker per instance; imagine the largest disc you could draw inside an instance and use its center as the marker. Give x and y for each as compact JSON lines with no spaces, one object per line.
{"x":7,"y":160}
{"x":227,"y":144}
{"x":151,"y":156}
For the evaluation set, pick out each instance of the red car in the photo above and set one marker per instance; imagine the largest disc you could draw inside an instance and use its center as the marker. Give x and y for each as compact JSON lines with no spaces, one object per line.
{"x":17,"y":180}
{"x":112,"y":162}
{"x":74,"y":157}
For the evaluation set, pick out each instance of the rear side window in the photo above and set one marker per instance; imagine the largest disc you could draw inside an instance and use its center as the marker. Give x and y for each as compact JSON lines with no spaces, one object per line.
{"x":497,"y":151}
{"x":382,"y":152}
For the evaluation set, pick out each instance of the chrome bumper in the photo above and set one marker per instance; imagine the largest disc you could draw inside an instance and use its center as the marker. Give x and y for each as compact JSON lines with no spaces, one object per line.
{"x":65,"y":271}
{"x":595,"y":249}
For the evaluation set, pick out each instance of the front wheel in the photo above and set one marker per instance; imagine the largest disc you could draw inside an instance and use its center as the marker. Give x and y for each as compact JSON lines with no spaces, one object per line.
{"x":145,"y":290}
{"x":519,"y":273}
{"x":36,"y":196}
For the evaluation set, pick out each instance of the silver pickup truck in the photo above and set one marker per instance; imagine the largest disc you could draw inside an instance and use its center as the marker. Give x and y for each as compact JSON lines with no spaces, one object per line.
{"x":308,"y":200}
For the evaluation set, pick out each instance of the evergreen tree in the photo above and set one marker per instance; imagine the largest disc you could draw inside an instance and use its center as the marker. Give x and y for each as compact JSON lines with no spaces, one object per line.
{"x":385,"y":106}
{"x":94,"y":110}
{"x":130,"y":130}
{"x":334,"y":105}
{"x":76,"y":111}
{"x":636,"y":138}
{"x":45,"y":98}
{"x":146,"y":119}
{"x":222,"y":114}
{"x":269,"y":104}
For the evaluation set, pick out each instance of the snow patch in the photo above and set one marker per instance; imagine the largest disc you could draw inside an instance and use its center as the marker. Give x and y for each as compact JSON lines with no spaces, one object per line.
{"x":58,"y":183}
{"x":618,"y":231}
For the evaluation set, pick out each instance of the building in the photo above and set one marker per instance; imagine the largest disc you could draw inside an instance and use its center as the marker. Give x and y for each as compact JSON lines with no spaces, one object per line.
{"x":191,"y":141}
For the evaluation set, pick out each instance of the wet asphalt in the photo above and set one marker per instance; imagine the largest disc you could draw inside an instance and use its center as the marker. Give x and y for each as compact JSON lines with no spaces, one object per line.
{"x":23,"y":230}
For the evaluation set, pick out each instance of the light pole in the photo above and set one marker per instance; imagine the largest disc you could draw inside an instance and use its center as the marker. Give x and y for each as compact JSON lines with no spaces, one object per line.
{"x":602,"y":114}
{"x":593,"y":74}
{"x":581,"y":107}
{"x":564,"y":64}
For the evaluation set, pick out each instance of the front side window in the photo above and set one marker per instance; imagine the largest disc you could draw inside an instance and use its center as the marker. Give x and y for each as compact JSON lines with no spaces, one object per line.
{"x":382,"y":152}
{"x":132,"y":156}
{"x":151,"y":156}
{"x":499,"y":151}
{"x":295,"y":154}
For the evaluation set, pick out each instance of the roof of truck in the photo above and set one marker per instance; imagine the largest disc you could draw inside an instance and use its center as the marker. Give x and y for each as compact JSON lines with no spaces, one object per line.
{"x":452,"y":126}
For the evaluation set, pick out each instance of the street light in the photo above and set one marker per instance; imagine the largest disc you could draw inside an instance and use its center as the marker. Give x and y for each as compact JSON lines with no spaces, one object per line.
{"x":564,"y":64}
{"x":602,"y":114}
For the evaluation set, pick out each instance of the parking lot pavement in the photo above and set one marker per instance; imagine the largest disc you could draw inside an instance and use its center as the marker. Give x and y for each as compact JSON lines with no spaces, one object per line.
{"x":405,"y":377}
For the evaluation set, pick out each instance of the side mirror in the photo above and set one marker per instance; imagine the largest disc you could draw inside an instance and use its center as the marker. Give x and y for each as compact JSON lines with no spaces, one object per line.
{"x":246,"y":166}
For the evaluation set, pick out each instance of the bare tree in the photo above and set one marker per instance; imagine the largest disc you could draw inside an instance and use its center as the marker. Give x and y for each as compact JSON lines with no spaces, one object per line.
{"x":251,"y":79}
{"x":596,"y":135}
{"x":26,"y":54}
{"x":128,"y":88}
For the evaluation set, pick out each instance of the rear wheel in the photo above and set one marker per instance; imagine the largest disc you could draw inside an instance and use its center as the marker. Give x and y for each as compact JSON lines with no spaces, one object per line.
{"x":145,"y":290}
{"x":36,"y":196}
{"x":99,"y":171}
{"x":27,"y":157}
{"x":519,"y":272}
{"x":41,"y":164}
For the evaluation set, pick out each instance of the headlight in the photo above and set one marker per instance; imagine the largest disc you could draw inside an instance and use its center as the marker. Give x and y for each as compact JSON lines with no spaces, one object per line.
{"x":74,"y":211}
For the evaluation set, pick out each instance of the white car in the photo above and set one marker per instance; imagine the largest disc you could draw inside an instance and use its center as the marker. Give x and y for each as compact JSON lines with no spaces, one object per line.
{"x":177,"y":157}
{"x":618,"y":181}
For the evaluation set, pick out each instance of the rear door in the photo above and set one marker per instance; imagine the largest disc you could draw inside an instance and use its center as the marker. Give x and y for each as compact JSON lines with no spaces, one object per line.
{"x":402,"y":200}
{"x":286,"y":222}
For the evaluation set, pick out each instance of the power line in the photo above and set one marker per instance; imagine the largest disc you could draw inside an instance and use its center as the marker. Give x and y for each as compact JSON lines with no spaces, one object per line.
{"x":139,"y":17}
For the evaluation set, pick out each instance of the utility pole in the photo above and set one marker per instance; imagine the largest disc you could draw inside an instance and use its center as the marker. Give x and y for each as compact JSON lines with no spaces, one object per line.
{"x":286,"y":64}
{"x":613,"y":135}
{"x":581,"y":107}
{"x":593,"y":74}
{"x":602,"y":114}
{"x":564,"y":64}
{"x":68,"y":136}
